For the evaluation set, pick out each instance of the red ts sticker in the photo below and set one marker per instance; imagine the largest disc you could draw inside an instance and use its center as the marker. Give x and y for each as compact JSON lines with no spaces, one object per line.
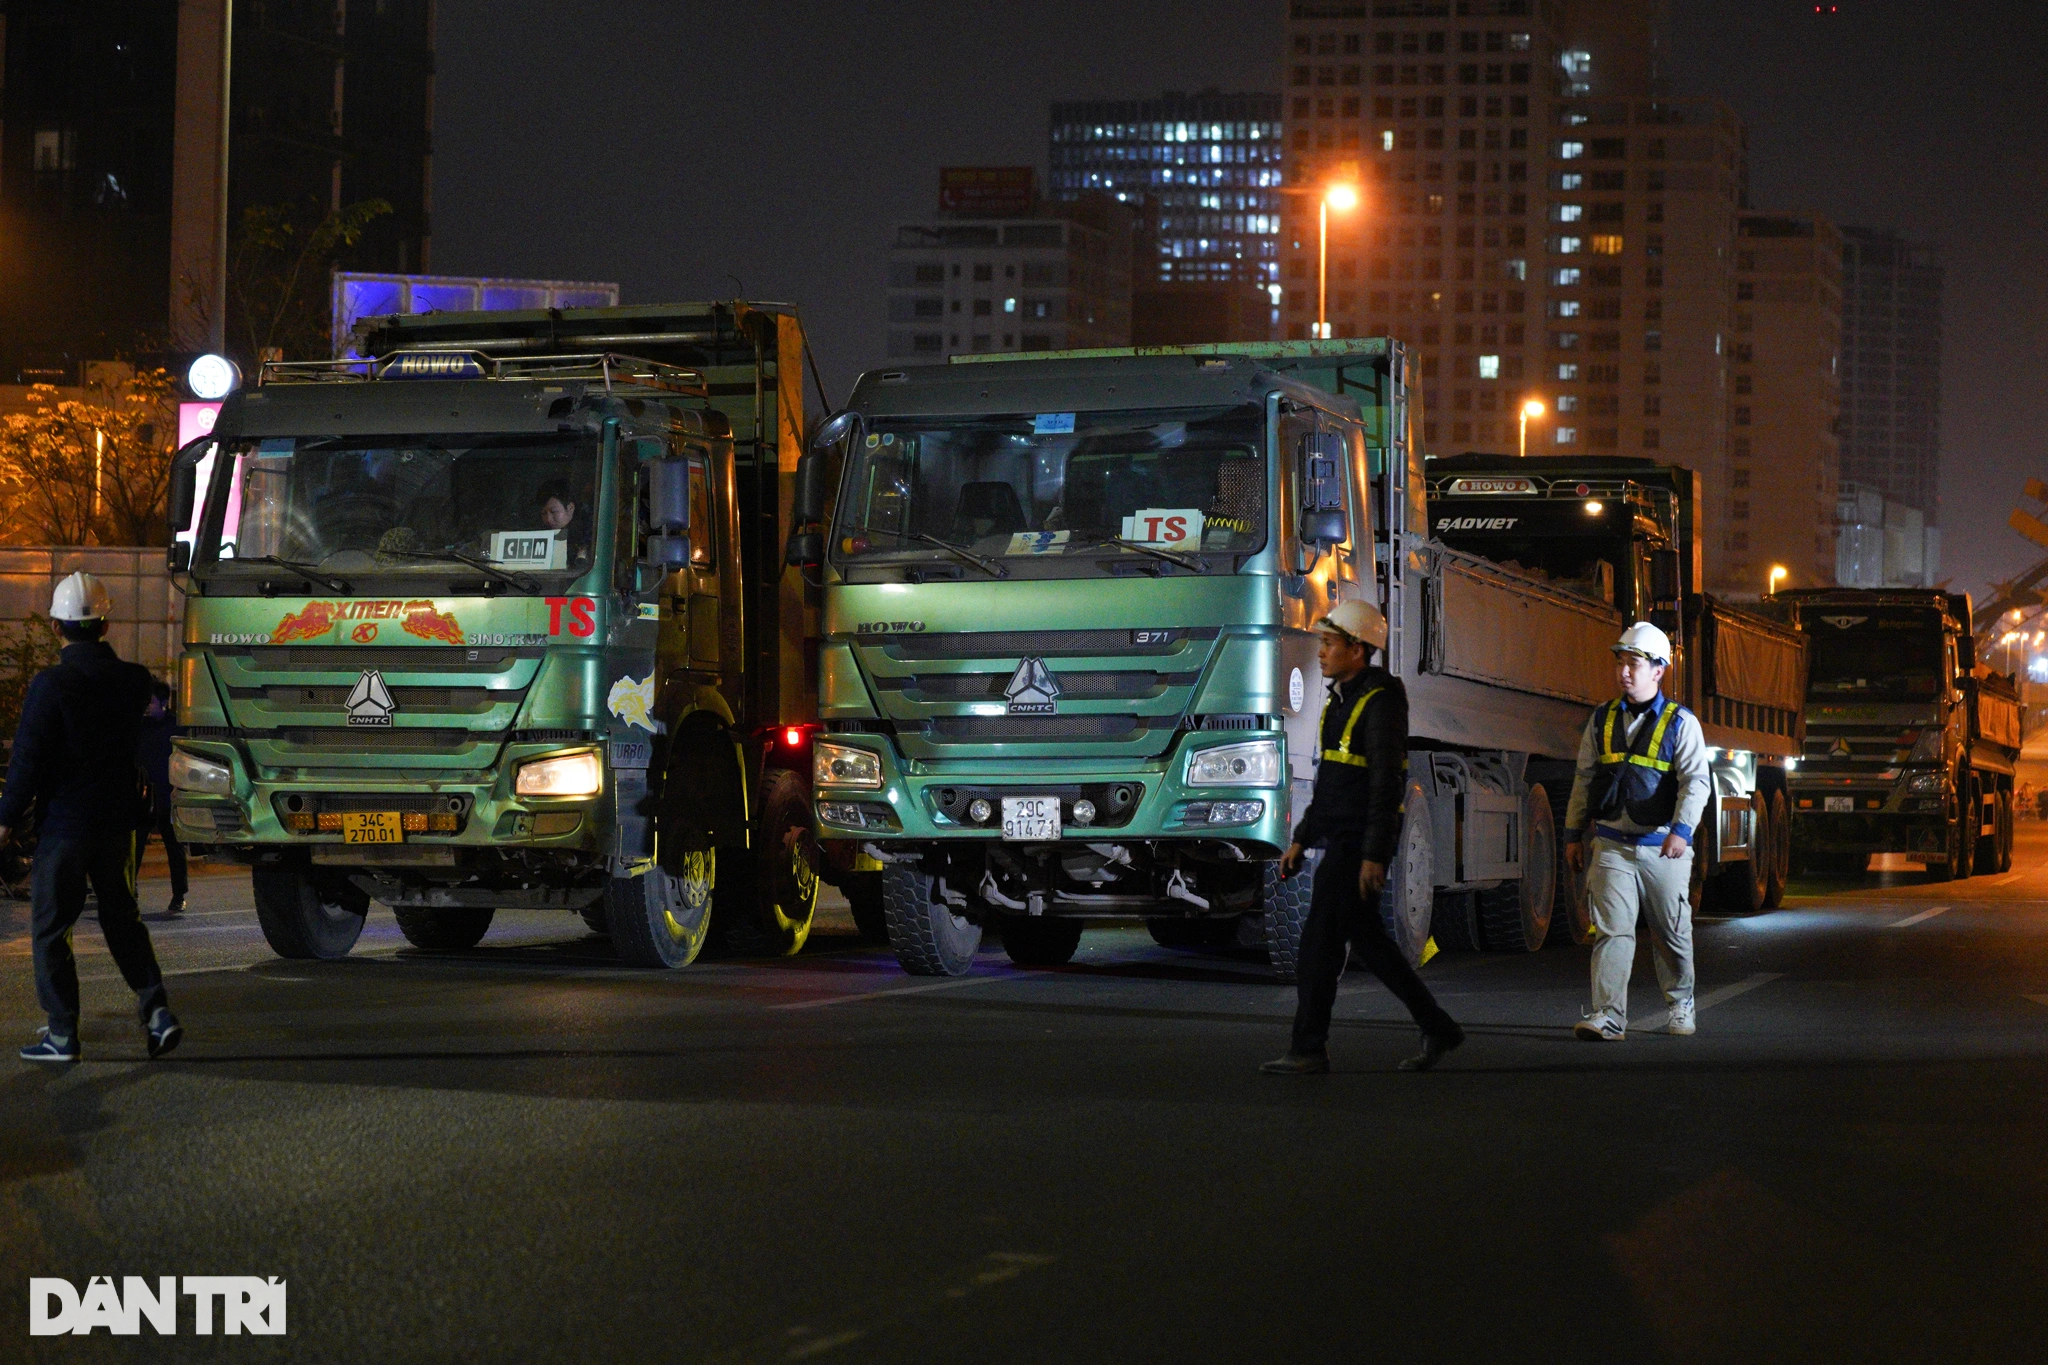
{"x":582,"y":615}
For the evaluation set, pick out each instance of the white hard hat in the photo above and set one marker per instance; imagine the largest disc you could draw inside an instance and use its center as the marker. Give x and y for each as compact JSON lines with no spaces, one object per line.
{"x":80,"y":597}
{"x":1359,"y":621}
{"x":1645,"y":639}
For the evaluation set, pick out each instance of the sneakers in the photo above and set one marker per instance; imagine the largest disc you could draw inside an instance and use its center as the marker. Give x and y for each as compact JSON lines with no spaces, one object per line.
{"x":1297,"y":1064}
{"x":1435,"y":1047}
{"x":1600,"y":1027}
{"x":53,"y":1049}
{"x":1682,"y":1019}
{"x":164,"y":1030}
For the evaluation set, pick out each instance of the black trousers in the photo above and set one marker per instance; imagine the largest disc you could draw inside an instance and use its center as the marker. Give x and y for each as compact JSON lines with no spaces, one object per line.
{"x":173,"y":851}
{"x":63,"y":868}
{"x":1338,"y":920}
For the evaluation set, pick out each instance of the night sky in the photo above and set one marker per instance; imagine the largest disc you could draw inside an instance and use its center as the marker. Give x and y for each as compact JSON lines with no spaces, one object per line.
{"x":690,"y":151}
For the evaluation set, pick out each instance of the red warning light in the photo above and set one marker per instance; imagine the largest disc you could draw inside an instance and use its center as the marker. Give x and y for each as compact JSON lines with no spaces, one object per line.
{"x":1583,"y":490}
{"x":793,"y":737}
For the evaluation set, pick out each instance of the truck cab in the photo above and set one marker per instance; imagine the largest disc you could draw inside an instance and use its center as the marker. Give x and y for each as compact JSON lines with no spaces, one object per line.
{"x":467,"y":628}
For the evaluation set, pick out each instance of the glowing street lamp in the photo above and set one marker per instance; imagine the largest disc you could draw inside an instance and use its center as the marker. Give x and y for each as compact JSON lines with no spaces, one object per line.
{"x":1532,"y":408}
{"x":1342,"y":198}
{"x":1778,"y":572}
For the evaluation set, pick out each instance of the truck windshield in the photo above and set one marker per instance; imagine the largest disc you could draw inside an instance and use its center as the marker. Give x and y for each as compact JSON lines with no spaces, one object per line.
{"x":403,"y":504}
{"x":1897,"y":661}
{"x":1053,"y":487}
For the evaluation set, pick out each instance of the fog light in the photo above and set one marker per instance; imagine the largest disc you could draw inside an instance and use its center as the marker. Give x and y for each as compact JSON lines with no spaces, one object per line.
{"x":978,"y":810}
{"x":1084,"y":812}
{"x":1235,"y":812}
{"x":842,"y":813}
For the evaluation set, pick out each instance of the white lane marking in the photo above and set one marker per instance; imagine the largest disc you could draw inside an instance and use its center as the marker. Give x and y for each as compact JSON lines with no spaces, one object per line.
{"x":953,"y":985}
{"x":1911,"y":920}
{"x":1719,"y":995}
{"x":2038,"y":999}
{"x":2008,"y":879}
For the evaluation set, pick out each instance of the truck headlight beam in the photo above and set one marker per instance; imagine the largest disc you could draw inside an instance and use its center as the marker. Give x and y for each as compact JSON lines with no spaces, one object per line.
{"x":842,"y":765}
{"x":1256,"y":764}
{"x":191,"y":773}
{"x":563,"y":775}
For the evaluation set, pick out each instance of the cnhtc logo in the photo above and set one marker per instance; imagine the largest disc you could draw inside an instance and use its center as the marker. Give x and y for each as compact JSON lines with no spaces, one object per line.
{"x":1032,"y":689}
{"x":369,"y":702}
{"x":248,"y":1303}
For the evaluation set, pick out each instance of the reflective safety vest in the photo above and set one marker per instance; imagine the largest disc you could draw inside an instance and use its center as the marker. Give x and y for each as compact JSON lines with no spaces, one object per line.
{"x":1342,"y":753}
{"x":1637,"y":778}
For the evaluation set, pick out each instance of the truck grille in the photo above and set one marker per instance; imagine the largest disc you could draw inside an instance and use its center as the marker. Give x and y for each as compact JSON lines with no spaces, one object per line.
{"x":353,"y":659}
{"x":1037,"y":729}
{"x":1085,"y":686}
{"x":1042,"y":644}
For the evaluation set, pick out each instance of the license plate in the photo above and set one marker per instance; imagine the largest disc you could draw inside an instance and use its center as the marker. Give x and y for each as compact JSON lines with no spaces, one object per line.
{"x":1031,"y":817}
{"x":1841,"y":805}
{"x":371,"y":827}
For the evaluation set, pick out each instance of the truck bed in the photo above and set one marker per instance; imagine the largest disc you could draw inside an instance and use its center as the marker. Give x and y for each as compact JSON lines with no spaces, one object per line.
{"x":1747,"y":681}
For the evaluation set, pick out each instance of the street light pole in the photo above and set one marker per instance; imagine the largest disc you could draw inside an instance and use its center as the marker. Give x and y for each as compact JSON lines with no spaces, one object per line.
{"x":1532,"y":408}
{"x":1778,"y":571}
{"x":1323,"y":267}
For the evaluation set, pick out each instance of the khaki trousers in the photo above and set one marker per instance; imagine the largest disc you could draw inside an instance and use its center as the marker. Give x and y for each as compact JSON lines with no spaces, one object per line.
{"x":1627,"y":882}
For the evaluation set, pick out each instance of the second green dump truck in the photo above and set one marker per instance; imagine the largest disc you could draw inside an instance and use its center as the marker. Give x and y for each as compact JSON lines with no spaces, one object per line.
{"x":498,"y":618}
{"x":1068,"y":666}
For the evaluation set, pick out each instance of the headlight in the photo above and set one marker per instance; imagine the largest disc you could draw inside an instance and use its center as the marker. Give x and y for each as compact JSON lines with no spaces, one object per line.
{"x":841,"y":765}
{"x":569,"y":775}
{"x":1926,"y":782}
{"x":1236,"y":765}
{"x":191,"y":773}
{"x":1927,"y":748}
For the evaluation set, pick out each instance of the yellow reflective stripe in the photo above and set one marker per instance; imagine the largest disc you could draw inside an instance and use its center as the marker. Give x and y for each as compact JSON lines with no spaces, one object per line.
{"x":1342,"y":753}
{"x":1608,"y":753}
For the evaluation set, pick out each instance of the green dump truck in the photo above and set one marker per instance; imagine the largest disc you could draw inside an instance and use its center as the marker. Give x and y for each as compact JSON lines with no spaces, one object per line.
{"x":498,"y":619}
{"x":1911,"y":744}
{"x":1068,"y":665}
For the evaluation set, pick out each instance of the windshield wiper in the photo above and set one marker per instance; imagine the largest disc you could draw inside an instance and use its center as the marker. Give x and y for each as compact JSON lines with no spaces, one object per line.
{"x":992,"y":567}
{"x":332,"y":582}
{"x":1188,"y":562}
{"x":519,"y":581}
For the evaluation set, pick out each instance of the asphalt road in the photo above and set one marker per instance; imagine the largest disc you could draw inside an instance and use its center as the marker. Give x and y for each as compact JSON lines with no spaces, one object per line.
{"x":525,"y":1153}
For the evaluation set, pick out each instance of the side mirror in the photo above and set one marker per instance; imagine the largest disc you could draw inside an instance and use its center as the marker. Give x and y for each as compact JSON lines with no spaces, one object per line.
{"x":833,"y":430}
{"x":1325,"y":528}
{"x":1664,"y":575}
{"x":806,"y":549}
{"x":668,"y":495}
{"x":666,"y":552}
{"x":810,"y":486}
{"x":178,"y":558}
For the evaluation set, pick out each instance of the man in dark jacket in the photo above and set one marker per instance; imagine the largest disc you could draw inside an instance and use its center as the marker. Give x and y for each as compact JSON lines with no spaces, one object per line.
{"x":74,"y":755}
{"x":1355,"y":815}
{"x":158,"y":721}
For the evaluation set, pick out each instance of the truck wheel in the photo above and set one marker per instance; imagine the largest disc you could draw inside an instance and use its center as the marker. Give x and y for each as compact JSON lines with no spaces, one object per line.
{"x":444,"y":930}
{"x":660,"y":918}
{"x":776,"y":897}
{"x":1454,"y":922}
{"x":1514,"y":917}
{"x":593,"y":916}
{"x":1411,"y":882}
{"x":1778,"y":869}
{"x":307,"y":913}
{"x":929,"y":939}
{"x":1571,"y":914}
{"x":1040,"y":941}
{"x":1962,"y":837}
{"x":1741,"y":888}
{"x":1285,"y":911}
{"x":1185,"y":932}
{"x":863,"y":892}
{"x":2005,"y":831}
{"x":1987,"y":844}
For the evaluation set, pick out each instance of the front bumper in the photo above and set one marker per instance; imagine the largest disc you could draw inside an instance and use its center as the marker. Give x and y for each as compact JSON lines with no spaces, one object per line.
{"x":922,"y":803}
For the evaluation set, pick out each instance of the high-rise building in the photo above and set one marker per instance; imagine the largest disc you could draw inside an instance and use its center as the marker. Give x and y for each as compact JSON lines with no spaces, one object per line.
{"x":1891,"y":367}
{"x":330,"y":104}
{"x":1537,"y":220}
{"x":1779,"y":501}
{"x":1008,"y":272}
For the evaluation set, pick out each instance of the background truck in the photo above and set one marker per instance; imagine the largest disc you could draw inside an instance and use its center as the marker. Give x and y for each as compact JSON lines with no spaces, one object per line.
{"x":1624,"y":535}
{"x":1068,"y":665}
{"x":1910,"y":742}
{"x":499,"y":619}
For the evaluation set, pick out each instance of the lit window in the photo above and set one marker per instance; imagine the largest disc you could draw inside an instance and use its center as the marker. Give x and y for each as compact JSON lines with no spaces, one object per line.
{"x":1570,"y":151}
{"x":1570,"y":213}
{"x":1565,"y":277}
{"x":1567,"y":373}
{"x":1516,"y":269}
{"x":1606,"y":244}
{"x":1566,"y":435}
{"x":1571,"y":180}
{"x":1567,"y":402}
{"x":1009,"y":305}
{"x":1489,"y":367}
{"x":1387,"y":140}
{"x":1568,"y":308}
{"x":1568,"y":246}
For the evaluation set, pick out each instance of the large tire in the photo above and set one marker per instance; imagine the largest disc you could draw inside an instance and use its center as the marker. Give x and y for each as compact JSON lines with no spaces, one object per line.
{"x":660,"y":918}
{"x":1741,"y":888}
{"x":594,"y":916}
{"x":767,"y":911}
{"x":1454,"y":922}
{"x":1962,"y":837}
{"x":1778,"y":870}
{"x":929,"y":939}
{"x":863,"y":892}
{"x":1284,"y":908}
{"x":1410,"y":897}
{"x":1040,"y":940}
{"x":444,"y":930}
{"x":307,"y":913}
{"x":1514,"y":917}
{"x":2005,"y":831}
{"x":1183,"y":931}
{"x":1571,"y":913}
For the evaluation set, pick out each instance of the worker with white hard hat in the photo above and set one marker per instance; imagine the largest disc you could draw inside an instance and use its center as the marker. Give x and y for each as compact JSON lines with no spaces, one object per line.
{"x":74,"y":760}
{"x":1642,"y":786}
{"x":1355,"y":817}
